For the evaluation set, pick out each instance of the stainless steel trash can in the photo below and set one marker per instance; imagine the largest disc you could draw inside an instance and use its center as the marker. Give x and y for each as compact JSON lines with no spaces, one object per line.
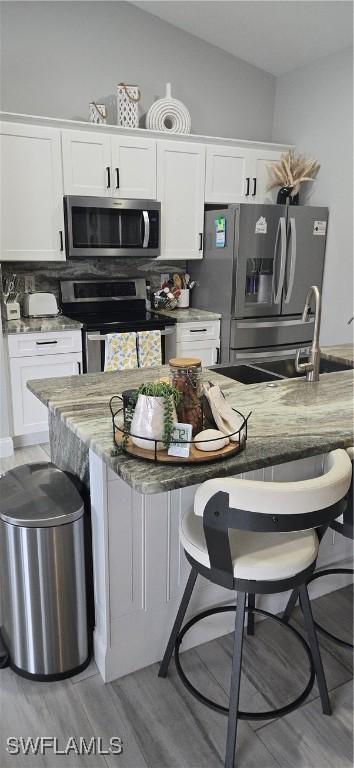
{"x":42,"y":572}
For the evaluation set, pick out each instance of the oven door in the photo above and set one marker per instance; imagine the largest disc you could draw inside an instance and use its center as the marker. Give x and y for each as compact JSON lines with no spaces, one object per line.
{"x":96,"y":226}
{"x":94,"y":348}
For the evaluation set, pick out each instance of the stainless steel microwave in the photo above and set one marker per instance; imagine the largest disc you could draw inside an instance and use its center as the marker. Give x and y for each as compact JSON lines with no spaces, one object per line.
{"x":108,"y":226}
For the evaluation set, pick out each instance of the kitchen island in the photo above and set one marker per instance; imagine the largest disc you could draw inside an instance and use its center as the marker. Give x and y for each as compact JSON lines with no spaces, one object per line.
{"x":139,"y":568}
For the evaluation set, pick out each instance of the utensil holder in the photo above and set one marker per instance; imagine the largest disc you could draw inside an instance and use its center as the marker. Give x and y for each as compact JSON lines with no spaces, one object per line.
{"x":183,"y":299}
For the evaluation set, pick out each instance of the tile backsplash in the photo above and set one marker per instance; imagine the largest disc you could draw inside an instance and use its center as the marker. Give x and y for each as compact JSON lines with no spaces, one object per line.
{"x":47,"y":275}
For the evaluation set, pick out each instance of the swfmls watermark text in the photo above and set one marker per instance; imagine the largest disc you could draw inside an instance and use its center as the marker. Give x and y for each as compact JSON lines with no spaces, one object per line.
{"x":41,"y":745}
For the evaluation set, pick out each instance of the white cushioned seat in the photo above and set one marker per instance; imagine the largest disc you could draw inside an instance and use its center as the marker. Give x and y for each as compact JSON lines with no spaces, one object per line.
{"x":255,"y":556}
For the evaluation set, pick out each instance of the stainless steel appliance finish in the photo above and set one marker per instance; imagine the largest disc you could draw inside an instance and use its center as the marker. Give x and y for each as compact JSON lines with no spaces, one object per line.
{"x":259,"y":280}
{"x":43,"y":572}
{"x":109,"y":306}
{"x":108,"y":226}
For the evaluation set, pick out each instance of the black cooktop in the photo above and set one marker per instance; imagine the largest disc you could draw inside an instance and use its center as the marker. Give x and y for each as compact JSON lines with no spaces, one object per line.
{"x":120,"y":322}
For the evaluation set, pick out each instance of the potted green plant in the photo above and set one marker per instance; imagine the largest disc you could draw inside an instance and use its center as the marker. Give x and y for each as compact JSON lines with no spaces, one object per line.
{"x":150,"y":414}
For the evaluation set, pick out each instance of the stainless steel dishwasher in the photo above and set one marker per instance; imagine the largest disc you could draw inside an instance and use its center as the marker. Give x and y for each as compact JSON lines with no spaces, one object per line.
{"x":42,"y":572}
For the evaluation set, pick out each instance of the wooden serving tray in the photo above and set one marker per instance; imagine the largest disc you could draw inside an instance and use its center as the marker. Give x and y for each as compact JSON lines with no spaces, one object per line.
{"x":195,"y":456}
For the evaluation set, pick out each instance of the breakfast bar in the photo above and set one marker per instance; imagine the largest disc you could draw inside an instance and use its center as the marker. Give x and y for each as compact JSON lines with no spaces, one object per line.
{"x":139,"y":566}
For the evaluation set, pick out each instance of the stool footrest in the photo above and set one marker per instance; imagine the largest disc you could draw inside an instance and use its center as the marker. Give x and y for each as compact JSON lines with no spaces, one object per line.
{"x":265,"y":715}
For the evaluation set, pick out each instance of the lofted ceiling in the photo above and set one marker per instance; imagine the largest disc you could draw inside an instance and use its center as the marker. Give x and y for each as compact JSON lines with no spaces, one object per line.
{"x":275,"y":35}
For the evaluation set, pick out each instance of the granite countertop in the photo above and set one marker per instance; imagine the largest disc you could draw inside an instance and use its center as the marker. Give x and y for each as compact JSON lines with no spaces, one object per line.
{"x":188,"y":315}
{"x":340,"y":353}
{"x":290,"y":419}
{"x":40,"y":324}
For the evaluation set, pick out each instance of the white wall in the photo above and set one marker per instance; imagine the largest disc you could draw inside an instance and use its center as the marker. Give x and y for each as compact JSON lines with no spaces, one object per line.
{"x":314,"y":110}
{"x":59,"y":56}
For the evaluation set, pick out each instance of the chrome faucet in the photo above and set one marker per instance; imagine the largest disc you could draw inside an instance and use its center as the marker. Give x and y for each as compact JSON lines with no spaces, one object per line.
{"x":312,"y":366}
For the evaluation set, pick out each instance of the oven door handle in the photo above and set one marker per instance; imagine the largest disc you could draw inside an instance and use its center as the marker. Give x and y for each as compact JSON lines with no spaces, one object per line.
{"x":146,"y":229}
{"x":169,"y":330}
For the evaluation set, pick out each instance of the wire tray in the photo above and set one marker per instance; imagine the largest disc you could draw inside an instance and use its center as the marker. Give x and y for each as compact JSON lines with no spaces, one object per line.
{"x":123,"y":439}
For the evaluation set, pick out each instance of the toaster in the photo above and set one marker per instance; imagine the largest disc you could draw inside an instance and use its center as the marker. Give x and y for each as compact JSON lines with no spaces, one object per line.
{"x":39,"y":305}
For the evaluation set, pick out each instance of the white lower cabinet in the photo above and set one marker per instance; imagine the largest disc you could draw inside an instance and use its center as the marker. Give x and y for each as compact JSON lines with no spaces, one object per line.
{"x":29,"y":414}
{"x":38,"y":356}
{"x":195,"y":339}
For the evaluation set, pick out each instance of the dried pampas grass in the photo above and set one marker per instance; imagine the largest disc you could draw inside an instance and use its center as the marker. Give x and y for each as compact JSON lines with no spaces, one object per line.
{"x":292,"y":171}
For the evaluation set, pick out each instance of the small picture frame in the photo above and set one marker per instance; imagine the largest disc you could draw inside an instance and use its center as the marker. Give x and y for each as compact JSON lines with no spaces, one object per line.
{"x":181,"y":440}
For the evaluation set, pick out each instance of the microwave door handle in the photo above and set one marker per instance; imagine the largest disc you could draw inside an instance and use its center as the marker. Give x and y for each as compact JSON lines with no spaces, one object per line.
{"x":282,"y":231}
{"x":292,"y":260}
{"x":146,"y":229}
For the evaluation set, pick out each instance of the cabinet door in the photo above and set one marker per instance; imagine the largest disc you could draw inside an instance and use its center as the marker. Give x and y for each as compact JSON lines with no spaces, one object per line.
{"x":133,"y":168}
{"x":260,"y":160}
{"x":227,"y":178}
{"x":29,"y":414}
{"x":31,"y":194}
{"x":207,"y":352}
{"x":180,"y":188}
{"x":87,"y":163}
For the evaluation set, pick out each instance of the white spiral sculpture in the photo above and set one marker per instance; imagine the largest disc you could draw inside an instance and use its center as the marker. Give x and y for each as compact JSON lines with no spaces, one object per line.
{"x":168,"y":115}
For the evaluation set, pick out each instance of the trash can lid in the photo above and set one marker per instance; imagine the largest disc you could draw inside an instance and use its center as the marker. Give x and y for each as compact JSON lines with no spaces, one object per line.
{"x":39,"y":495}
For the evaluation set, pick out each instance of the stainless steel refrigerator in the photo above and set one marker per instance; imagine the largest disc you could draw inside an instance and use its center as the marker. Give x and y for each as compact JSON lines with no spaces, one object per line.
{"x":259,"y":262}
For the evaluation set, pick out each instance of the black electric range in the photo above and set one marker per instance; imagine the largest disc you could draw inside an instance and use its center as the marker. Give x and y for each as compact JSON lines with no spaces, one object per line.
{"x":109,"y":306}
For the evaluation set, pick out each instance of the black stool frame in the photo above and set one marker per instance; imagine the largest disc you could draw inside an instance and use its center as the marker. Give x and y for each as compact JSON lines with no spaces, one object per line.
{"x":345,"y":528}
{"x":218,"y":517}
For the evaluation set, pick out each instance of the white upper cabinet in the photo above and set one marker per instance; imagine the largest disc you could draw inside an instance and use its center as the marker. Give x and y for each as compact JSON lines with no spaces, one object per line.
{"x":101,"y":165}
{"x":87,"y":163}
{"x":180,"y":188}
{"x":133,"y":168}
{"x":226,"y":172}
{"x":32,"y":219}
{"x":260,"y":160}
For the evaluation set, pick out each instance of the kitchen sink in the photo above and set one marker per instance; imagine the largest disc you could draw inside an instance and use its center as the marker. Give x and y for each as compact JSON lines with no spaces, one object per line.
{"x":273,"y":371}
{"x":286,"y":368}
{"x":246,"y":374}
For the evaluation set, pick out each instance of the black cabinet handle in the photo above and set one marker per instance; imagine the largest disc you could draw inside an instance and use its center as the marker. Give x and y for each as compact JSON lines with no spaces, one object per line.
{"x":198,"y":330}
{"x":108,"y":176}
{"x":248,"y":186}
{"x":79,"y":366}
{"x":117,"y":175}
{"x":254,"y":186}
{"x":61,"y":240}
{"x":200,"y":241}
{"x":40,"y":343}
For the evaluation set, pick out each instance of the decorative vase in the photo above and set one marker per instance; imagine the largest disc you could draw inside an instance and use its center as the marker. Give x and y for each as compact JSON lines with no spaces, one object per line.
{"x":98,"y":113}
{"x":168,"y":115}
{"x":284,"y":197}
{"x":128,"y":97}
{"x":148,"y":422}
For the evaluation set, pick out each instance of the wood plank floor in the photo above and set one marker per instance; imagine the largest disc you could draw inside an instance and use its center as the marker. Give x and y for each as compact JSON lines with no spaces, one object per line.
{"x":163,"y":726}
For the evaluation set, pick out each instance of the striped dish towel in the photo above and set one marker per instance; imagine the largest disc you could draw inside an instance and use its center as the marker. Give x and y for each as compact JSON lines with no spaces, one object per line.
{"x":149,"y":349}
{"x":120,"y":351}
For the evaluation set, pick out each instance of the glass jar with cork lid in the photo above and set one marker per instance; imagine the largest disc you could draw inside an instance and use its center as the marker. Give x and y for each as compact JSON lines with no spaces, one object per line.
{"x":186,"y":376}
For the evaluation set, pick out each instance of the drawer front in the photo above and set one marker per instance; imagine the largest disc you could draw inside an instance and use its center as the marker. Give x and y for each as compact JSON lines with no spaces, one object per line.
{"x":30,"y":344}
{"x":198,"y":331}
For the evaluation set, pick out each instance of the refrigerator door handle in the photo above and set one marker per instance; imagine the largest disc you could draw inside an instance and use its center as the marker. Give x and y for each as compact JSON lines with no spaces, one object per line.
{"x":282,"y":230}
{"x":292,"y":260}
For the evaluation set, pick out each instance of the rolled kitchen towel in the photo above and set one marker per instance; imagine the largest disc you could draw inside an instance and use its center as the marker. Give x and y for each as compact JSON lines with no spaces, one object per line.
{"x":149,"y":349}
{"x":120,"y":351}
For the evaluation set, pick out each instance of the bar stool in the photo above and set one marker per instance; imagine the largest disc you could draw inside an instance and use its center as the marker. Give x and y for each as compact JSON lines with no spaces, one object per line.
{"x":343,"y":525}
{"x":258,"y":538}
